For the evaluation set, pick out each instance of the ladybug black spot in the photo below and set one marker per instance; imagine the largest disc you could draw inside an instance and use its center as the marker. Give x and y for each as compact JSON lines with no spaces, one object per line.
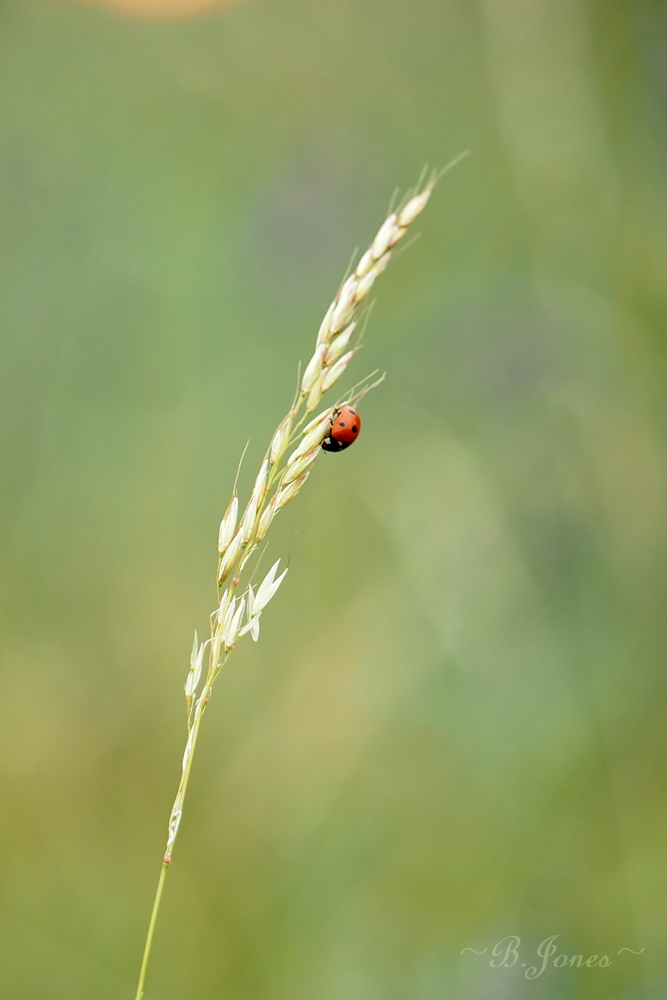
{"x":341,"y":423}
{"x":355,"y":430}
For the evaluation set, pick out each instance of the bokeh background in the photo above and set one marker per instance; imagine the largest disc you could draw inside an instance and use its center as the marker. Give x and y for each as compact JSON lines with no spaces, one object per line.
{"x":452,"y":728}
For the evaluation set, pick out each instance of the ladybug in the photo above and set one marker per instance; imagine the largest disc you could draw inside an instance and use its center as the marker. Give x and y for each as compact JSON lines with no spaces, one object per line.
{"x":344,"y":430}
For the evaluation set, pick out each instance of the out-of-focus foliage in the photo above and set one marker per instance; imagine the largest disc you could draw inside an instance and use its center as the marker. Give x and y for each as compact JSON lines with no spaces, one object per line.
{"x":452,"y":728}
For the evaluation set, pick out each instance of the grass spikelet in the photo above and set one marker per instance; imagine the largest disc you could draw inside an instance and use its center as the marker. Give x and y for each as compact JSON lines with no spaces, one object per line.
{"x":280,"y":479}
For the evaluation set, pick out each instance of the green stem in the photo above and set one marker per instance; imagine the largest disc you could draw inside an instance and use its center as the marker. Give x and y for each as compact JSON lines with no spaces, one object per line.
{"x":202,"y":701}
{"x":151,"y":931}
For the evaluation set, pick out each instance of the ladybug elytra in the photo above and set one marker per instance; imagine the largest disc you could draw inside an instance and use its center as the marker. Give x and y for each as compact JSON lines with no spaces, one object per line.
{"x":344,"y":431}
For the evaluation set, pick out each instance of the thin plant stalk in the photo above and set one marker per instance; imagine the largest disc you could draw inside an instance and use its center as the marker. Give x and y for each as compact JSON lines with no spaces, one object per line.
{"x":166,"y":861}
{"x":288,"y":461}
{"x":151,"y":929}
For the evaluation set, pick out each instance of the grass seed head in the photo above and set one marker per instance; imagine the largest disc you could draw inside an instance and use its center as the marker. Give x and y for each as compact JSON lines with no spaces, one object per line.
{"x":299,"y":466}
{"x":324,"y":332}
{"x":250,"y":515}
{"x":260,"y":482}
{"x":248,"y":521}
{"x":279,"y":440}
{"x":265,"y":520}
{"x":381,"y":265}
{"x":320,"y":420}
{"x":230,"y":556}
{"x":315,"y":395}
{"x":345,"y":304}
{"x":365,"y":264}
{"x":414,"y":207}
{"x":339,"y":343}
{"x":313,"y":369}
{"x":312,"y":435}
{"x":237,"y":544}
{"x":222,"y":607}
{"x":366,"y":284}
{"x":332,"y":374}
{"x":289,"y":492}
{"x":267,"y":588}
{"x":231,"y":632}
{"x":385,"y":234}
{"x":397,"y":237}
{"x":194,"y":674}
{"x":228,"y":525}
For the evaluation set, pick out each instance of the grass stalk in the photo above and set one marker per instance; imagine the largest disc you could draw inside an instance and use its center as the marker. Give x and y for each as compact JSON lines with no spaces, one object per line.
{"x":151,"y":930}
{"x":289,"y":459}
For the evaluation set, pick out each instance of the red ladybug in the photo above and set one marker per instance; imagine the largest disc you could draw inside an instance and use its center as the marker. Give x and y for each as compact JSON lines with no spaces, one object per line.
{"x":344,"y":430}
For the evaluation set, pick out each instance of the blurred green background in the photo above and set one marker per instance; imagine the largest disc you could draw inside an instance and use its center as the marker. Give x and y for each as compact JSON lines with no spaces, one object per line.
{"x":452,"y":728}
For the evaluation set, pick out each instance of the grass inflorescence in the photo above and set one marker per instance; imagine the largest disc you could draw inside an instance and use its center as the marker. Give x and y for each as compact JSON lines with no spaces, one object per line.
{"x":287,"y":464}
